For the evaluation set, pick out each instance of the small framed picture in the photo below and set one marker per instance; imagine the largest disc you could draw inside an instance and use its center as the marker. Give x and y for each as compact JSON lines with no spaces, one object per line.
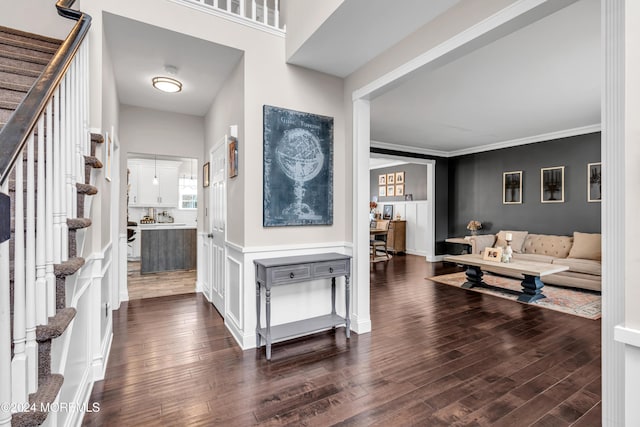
{"x":233,"y":157}
{"x":382,"y":179}
{"x":552,"y":185}
{"x":492,"y":254}
{"x":594,"y":182}
{"x":399,"y":177}
{"x":387,"y":212}
{"x":391,"y":178}
{"x":205,"y":175}
{"x":382,"y":191}
{"x":512,"y":188}
{"x":391,"y":190}
{"x":399,"y":189}
{"x":408,"y":197}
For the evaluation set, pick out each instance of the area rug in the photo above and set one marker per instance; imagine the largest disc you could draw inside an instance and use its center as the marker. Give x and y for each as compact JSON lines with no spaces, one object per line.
{"x":571,"y":301}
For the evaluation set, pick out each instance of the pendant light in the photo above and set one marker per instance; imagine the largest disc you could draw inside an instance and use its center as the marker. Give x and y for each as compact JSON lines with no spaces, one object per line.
{"x":155,"y":171}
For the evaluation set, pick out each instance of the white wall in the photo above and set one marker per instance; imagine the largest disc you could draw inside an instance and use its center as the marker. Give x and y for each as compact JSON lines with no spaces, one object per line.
{"x":35,"y":16}
{"x":227,"y":110}
{"x":303,"y":18}
{"x":158,"y":132}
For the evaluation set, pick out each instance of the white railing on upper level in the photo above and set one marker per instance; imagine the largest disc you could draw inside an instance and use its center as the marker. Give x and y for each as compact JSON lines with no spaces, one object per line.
{"x":41,"y":235}
{"x":264,"y":13}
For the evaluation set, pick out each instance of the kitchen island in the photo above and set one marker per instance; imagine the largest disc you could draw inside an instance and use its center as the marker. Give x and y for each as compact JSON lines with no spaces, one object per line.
{"x":167,"y":247}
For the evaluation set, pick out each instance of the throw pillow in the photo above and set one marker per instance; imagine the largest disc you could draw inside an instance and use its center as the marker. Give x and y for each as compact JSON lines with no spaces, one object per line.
{"x":517,"y":240}
{"x":586,"y":246}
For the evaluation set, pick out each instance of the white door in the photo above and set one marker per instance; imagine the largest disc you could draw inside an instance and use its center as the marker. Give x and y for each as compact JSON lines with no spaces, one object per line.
{"x":217,"y":225}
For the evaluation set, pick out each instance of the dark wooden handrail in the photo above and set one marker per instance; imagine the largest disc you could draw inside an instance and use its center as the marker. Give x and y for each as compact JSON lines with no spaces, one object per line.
{"x":14,"y":134}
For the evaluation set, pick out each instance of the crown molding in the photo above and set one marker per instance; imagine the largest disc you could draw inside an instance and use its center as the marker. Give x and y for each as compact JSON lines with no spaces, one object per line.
{"x":527,"y":140}
{"x":408,"y":149}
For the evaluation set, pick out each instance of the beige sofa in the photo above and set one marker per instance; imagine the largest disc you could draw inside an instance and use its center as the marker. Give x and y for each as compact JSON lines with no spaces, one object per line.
{"x":580,"y":252}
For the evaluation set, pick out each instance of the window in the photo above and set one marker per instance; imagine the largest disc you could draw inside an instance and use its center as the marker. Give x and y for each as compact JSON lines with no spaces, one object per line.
{"x":188,"y":193}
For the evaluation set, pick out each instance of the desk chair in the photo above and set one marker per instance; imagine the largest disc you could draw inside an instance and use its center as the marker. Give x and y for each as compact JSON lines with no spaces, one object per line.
{"x":379,"y":240}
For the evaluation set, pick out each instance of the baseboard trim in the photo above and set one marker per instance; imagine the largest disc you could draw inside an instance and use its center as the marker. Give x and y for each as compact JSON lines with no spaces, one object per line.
{"x":435,"y":258}
{"x":360,"y":326}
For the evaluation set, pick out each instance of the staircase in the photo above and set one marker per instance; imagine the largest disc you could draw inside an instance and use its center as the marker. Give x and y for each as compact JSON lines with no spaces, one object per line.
{"x":46,"y":159}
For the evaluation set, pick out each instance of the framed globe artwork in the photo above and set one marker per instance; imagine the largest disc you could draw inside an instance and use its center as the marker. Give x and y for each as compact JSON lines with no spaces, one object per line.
{"x":298,"y":168}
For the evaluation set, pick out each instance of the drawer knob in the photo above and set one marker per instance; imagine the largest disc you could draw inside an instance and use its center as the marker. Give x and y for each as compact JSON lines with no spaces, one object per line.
{"x":291,"y":275}
{"x":330,"y":269}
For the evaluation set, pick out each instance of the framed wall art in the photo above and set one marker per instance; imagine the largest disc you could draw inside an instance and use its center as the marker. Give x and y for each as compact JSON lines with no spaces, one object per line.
{"x":387,"y":212}
{"x":233,"y":157}
{"x":552,"y":185}
{"x":298,"y":168}
{"x":391,"y":190}
{"x":512,"y":188}
{"x":391,"y":178}
{"x":205,"y":175}
{"x":382,"y":191}
{"x":594,"y":182}
{"x":399,"y":177}
{"x":382,"y":179}
{"x":399,"y":189}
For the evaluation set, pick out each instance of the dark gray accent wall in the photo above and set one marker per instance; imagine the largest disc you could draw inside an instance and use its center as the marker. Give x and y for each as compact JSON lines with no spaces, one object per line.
{"x":475,"y":191}
{"x":415,"y":182}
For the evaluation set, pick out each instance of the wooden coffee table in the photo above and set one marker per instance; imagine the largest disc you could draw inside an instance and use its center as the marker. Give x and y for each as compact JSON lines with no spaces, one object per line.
{"x":532,"y":271}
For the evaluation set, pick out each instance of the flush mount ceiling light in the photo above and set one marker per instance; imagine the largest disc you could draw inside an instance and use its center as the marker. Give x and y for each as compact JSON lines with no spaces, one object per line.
{"x":167,"y":84}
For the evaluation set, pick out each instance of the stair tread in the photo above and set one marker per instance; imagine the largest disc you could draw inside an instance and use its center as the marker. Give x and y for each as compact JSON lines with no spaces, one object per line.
{"x":86,"y":189}
{"x":28,"y":35}
{"x":78,"y":223}
{"x":93,"y":161}
{"x":24,"y":57}
{"x":15,"y":86}
{"x":69,"y":267}
{"x":28,"y":44}
{"x":47,"y":392}
{"x":6,"y":68}
{"x":56,"y":325}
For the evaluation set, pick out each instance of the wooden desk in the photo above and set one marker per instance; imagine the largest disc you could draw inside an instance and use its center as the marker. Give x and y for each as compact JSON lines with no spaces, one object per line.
{"x":397,"y":236}
{"x":286,"y":270}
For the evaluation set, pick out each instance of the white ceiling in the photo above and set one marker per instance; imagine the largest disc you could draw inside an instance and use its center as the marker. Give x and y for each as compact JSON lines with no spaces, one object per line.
{"x":359,"y":30}
{"x":541,"y":79}
{"x":140,"y":52}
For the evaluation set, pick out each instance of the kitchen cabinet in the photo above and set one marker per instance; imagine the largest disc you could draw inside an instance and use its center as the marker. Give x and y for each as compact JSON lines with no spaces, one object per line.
{"x":142,"y":191}
{"x":167,"y":249}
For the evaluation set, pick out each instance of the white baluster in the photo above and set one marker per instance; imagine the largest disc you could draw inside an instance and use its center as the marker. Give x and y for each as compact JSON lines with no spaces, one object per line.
{"x":264,"y":11}
{"x":41,"y":284}
{"x":228,"y":5}
{"x":215,"y":3}
{"x":19,"y":363}
{"x":68,"y":152}
{"x":58,"y":183}
{"x":276,"y":14}
{"x":5,"y":328}
{"x":64,"y":229}
{"x":49,"y":215}
{"x":78,"y":122}
{"x":241,"y":11}
{"x":254,"y":17}
{"x":30,"y":272}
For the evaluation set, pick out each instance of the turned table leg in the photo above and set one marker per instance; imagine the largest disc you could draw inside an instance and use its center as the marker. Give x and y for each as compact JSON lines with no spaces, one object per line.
{"x":474,"y":277}
{"x":531,"y":289}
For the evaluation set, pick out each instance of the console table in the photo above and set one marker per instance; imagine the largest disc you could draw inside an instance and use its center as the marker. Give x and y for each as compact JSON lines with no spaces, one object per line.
{"x":287,"y":270}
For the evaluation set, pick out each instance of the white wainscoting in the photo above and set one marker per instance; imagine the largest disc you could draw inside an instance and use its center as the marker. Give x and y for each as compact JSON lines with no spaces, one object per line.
{"x":288,"y":303}
{"x":420,"y":225}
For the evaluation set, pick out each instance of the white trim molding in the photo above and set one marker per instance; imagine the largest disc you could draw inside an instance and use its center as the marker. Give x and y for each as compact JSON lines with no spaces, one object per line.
{"x":627,"y":336}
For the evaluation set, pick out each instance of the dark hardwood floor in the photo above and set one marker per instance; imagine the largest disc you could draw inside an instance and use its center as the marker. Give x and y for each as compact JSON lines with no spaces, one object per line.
{"x":437,"y":356}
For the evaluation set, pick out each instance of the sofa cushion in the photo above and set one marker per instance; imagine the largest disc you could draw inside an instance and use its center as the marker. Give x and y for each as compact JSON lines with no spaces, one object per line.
{"x":546,"y":244}
{"x":533,"y":258}
{"x":516,"y":242}
{"x":586,"y":246}
{"x":577,"y":265}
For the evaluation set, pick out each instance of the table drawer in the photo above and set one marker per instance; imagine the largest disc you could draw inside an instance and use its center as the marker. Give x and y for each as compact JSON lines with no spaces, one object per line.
{"x":290,"y":274}
{"x":328,"y":269}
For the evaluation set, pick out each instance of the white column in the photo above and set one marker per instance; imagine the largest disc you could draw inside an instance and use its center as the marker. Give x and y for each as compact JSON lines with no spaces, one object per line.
{"x":49,"y":216}
{"x":30,"y":272}
{"x":613,"y":216}
{"x":5,"y":329}
{"x":41,"y":284}
{"x":360,"y":287}
{"x":19,"y":363}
